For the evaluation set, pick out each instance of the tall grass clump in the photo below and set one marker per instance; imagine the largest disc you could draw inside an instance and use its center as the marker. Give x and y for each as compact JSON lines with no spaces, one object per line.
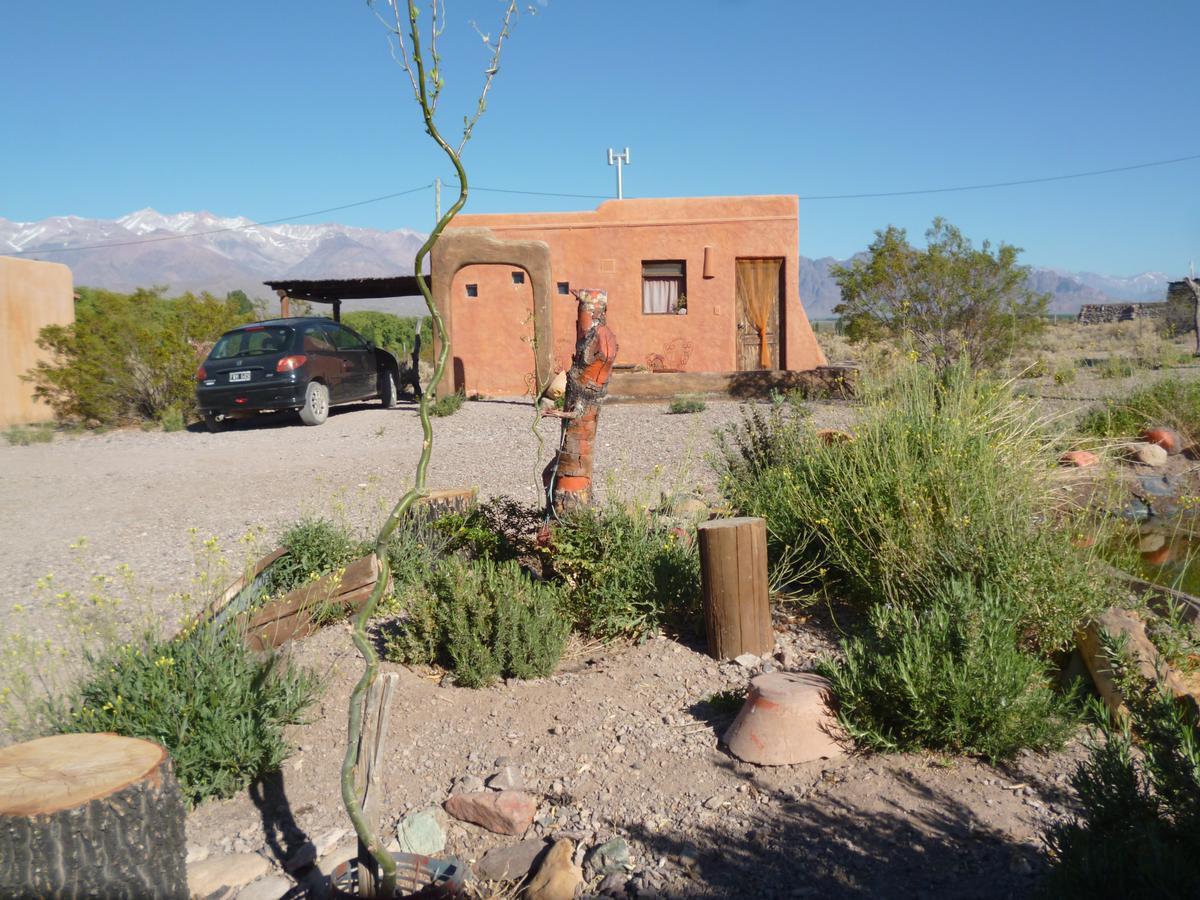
{"x":1169,"y":401}
{"x":1137,"y":831}
{"x":951,"y":675}
{"x":312,"y":548}
{"x":219,"y":708}
{"x":948,"y":476}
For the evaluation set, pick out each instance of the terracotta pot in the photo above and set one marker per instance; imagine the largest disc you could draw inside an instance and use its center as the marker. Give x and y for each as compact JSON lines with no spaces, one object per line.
{"x":1080,"y":459}
{"x":1166,"y":438}
{"x":1161,"y":556}
{"x":785,"y":720}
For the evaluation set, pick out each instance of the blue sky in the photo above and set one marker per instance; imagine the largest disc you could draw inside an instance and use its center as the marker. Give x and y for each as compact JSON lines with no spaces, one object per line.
{"x":269,"y":109}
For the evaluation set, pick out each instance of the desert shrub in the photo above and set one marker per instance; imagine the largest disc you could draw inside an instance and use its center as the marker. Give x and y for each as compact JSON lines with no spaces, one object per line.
{"x":1137,"y":832}
{"x":1064,"y":375}
{"x":313,"y":547}
{"x":173,"y":419}
{"x":447,"y":404}
{"x":499,"y":529}
{"x":25,"y":435}
{"x":1116,"y":367}
{"x":951,"y":675}
{"x":484,"y":620}
{"x":685,"y":405}
{"x":1039,"y":368}
{"x":129,"y":357}
{"x":219,"y":708}
{"x":948,"y":476}
{"x":627,"y":571}
{"x":393,"y":333}
{"x":1168,"y":401}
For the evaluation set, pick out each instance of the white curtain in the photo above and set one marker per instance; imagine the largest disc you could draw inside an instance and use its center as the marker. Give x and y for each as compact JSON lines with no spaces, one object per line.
{"x":660,"y":295}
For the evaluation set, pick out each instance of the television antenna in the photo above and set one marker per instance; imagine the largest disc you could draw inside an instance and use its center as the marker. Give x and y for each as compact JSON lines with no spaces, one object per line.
{"x":618,"y":160}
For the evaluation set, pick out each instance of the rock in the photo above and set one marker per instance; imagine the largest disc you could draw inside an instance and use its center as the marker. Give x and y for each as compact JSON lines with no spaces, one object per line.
{"x":302,"y":857}
{"x":557,"y":877}
{"x":210,"y":875}
{"x":607,"y":858}
{"x":468,"y":784}
{"x":1166,"y":438}
{"x":270,"y":888}
{"x":511,"y":863}
{"x":196,"y":853}
{"x":1135,"y":511}
{"x":1157,"y":485}
{"x":508,"y":778}
{"x":422,"y":832}
{"x":1151,"y":542}
{"x":329,"y":840}
{"x":691,"y":509}
{"x":1148,"y":454}
{"x":1080,"y":459}
{"x":505,"y":812}
{"x":346,"y":850}
{"x":747,"y":661}
{"x":613,"y":885}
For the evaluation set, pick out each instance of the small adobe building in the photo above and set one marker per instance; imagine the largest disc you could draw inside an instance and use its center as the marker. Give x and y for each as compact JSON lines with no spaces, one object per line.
{"x":695,"y":285}
{"x":33,"y":294}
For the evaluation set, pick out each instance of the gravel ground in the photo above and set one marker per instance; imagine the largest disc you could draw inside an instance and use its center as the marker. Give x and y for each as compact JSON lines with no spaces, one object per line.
{"x":135,"y":495}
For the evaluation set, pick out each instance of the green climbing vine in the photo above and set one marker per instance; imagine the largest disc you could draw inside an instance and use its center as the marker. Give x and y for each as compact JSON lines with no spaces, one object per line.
{"x":424,"y":68}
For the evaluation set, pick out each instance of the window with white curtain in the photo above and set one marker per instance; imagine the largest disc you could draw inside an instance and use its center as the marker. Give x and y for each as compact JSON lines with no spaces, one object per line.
{"x":664,"y":281}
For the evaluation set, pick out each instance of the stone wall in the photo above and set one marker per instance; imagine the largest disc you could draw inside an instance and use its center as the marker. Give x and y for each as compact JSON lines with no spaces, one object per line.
{"x":1095,"y":313}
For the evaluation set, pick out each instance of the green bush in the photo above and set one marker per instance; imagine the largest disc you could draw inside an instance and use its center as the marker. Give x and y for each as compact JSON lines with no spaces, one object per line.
{"x":393,"y":333}
{"x":1116,"y":367}
{"x":627,"y":572}
{"x":129,"y":357}
{"x":447,"y":404}
{"x":219,"y":708}
{"x":313,"y":548}
{"x":173,"y":419}
{"x":948,"y":476}
{"x":950,"y":676}
{"x":1169,"y":401}
{"x":685,"y":405}
{"x":500,"y":529}
{"x":483,"y":620}
{"x":1064,"y":375}
{"x":24,"y":435}
{"x":1137,"y":833}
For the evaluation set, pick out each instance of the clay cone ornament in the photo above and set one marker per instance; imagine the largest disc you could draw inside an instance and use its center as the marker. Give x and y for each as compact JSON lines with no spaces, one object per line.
{"x":786,"y":720}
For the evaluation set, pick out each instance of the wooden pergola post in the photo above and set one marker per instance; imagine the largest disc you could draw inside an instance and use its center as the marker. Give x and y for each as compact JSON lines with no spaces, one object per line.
{"x":733,"y":580}
{"x":284,"y":310}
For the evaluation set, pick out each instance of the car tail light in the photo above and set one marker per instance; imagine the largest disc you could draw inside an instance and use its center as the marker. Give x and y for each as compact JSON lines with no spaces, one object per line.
{"x":201,"y":374}
{"x":291,"y":363}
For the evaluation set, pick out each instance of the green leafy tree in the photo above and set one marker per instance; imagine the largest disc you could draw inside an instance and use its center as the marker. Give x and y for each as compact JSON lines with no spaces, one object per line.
{"x":393,"y":333}
{"x":946,"y":302}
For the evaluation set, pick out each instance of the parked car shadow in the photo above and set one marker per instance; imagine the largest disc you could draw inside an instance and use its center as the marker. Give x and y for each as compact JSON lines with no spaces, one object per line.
{"x":289,"y":419}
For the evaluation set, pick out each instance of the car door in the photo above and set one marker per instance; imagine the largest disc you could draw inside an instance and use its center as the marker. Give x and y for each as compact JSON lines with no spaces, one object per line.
{"x":357,"y":362}
{"x":323,"y":362}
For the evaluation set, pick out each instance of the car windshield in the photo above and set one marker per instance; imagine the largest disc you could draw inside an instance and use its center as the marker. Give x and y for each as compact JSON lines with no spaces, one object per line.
{"x":260,"y":341}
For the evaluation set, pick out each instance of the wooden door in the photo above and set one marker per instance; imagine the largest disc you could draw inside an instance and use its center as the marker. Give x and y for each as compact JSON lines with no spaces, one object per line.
{"x":759,"y":295}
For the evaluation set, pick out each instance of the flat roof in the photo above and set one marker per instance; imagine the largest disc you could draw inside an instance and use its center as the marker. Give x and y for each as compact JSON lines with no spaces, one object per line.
{"x":332,"y":290}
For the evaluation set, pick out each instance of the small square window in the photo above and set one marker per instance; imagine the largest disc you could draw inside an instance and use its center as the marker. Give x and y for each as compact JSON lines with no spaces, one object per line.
{"x":664,"y":286}
{"x":564,"y":287}
{"x":472,"y":290}
{"x":518,"y":277}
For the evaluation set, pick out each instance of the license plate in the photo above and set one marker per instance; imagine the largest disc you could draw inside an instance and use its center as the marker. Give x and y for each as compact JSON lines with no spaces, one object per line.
{"x":239,"y":376}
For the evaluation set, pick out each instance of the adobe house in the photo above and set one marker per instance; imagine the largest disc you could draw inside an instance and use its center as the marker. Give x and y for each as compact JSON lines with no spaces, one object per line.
{"x":33,"y":294}
{"x":695,"y":285}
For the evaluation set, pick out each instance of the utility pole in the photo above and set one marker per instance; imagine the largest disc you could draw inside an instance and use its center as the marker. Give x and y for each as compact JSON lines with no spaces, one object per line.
{"x":437,"y":199}
{"x":618,"y":160}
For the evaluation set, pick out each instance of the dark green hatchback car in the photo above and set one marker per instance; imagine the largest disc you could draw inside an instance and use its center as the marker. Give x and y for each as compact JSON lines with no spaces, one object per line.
{"x":305,"y":364}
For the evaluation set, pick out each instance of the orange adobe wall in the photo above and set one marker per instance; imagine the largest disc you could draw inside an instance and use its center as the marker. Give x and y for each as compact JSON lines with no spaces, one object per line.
{"x":492,"y":333}
{"x":33,"y":294}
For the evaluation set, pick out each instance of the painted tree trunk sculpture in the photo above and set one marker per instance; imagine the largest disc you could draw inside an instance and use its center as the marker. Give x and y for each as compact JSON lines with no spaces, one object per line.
{"x":568,"y":478}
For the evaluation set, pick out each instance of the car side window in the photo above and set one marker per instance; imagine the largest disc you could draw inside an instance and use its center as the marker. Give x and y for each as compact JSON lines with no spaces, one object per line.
{"x":345,"y":339}
{"x":316,"y":340}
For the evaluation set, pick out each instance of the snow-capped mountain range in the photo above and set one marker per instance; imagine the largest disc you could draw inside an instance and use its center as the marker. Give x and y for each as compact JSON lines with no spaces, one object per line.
{"x":220,"y":254}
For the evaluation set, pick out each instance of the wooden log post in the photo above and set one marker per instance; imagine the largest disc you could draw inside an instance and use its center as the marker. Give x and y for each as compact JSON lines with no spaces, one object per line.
{"x":733,"y":577}
{"x":372,"y":748}
{"x":436,"y":504}
{"x":90,"y":815}
{"x":568,"y":478}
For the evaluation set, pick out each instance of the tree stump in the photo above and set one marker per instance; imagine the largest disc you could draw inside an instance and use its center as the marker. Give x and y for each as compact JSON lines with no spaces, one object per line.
{"x":437,"y":504}
{"x":90,"y":815}
{"x":733,"y":578}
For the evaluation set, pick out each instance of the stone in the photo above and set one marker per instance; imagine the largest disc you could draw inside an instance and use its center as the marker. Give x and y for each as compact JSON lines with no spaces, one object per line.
{"x":613,"y":885}
{"x":607,"y":858}
{"x":468,"y":784}
{"x":329,"y":840}
{"x":503,"y":812}
{"x":557,"y":877}
{"x":343,"y":852}
{"x":302,"y":857}
{"x":1166,"y":438}
{"x":1148,"y":454}
{"x":509,"y":778}
{"x":235,"y":870}
{"x":1135,"y":511}
{"x":511,"y":863}
{"x":691,"y":509}
{"x":786,"y":720}
{"x":1151,"y":541}
{"x":270,"y":888}
{"x":1079,"y":459}
{"x":196,"y":853}
{"x":422,"y":832}
{"x":747,"y":661}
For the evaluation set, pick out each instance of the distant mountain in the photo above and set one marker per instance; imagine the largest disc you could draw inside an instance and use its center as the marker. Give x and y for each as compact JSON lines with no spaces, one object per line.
{"x":222,"y":254}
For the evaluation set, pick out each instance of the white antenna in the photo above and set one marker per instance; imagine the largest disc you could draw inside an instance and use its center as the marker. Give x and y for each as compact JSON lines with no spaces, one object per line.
{"x":618,"y":160}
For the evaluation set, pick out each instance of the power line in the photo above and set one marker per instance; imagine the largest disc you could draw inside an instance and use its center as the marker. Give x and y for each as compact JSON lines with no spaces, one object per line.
{"x":193,"y":234}
{"x":999,"y":184}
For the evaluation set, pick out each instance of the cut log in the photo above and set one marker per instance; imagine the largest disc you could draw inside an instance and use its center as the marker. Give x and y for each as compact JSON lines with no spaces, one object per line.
{"x":90,"y":815}
{"x":733,"y":578}
{"x":437,"y":504}
{"x":372,"y":748}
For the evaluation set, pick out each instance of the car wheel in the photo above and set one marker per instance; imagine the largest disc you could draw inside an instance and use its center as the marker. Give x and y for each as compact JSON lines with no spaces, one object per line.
{"x":387,"y":389}
{"x":212,"y":422}
{"x":316,"y":404}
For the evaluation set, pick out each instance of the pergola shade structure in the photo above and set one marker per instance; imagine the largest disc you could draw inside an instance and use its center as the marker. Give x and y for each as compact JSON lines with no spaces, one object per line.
{"x":334,"y":290}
